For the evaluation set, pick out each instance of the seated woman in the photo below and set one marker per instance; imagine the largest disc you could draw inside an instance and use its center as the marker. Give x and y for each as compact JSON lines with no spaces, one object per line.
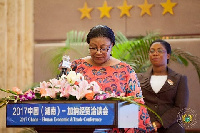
{"x":111,"y":74}
{"x":165,"y":91}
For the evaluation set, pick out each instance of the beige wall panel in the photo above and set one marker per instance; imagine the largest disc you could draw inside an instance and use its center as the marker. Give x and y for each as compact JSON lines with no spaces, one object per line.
{"x":20,"y":43}
{"x":10,"y":57}
{"x":53,"y":19}
{"x":184,"y":21}
{"x":28,"y":47}
{"x":3,"y":53}
{"x":11,"y":44}
{"x":3,"y":40}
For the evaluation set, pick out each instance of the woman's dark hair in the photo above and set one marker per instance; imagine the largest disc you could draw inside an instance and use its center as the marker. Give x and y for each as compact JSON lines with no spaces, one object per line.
{"x":101,"y":31}
{"x":165,"y":44}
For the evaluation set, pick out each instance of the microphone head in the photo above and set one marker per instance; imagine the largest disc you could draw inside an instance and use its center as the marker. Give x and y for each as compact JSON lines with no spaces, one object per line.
{"x":66,"y":62}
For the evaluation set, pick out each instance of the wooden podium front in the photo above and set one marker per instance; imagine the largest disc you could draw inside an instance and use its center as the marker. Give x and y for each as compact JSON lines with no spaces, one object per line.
{"x":71,"y":116}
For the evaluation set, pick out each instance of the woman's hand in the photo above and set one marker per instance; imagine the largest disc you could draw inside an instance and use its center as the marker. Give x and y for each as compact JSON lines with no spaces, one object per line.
{"x":156,"y":125}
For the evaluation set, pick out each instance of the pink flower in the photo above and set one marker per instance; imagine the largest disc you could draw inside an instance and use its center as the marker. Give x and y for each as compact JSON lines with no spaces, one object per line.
{"x":81,"y":90}
{"x":63,"y":83}
{"x":65,"y":91}
{"x":28,"y":91}
{"x":43,"y":92}
{"x":30,"y":95}
{"x":51,"y":92}
{"x":44,"y":84}
{"x":23,"y":97}
{"x":54,"y":83}
{"x":102,"y":96}
{"x":17,"y":90}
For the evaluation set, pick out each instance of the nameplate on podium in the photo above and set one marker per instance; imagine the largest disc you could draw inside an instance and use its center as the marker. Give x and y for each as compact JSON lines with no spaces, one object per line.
{"x":101,"y":114}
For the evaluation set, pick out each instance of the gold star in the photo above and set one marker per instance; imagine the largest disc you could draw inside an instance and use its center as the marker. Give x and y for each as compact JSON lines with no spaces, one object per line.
{"x":105,"y":10}
{"x":145,"y":8}
{"x":85,"y":11}
{"x":125,"y":9}
{"x":168,"y":7}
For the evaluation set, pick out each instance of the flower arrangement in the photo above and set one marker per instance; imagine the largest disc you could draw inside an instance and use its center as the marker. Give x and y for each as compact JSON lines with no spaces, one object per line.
{"x":68,"y":87}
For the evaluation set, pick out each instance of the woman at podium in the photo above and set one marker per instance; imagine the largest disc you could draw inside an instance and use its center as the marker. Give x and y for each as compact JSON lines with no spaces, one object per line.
{"x":111,"y":74}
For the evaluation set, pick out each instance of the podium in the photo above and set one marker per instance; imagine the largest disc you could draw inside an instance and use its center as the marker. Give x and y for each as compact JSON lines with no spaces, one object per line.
{"x":71,"y":116}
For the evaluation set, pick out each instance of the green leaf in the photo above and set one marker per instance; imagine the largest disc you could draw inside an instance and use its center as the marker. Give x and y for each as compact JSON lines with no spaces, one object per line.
{"x":72,"y":97}
{"x":38,"y":96}
{"x":8,"y":91}
{"x":3,"y":103}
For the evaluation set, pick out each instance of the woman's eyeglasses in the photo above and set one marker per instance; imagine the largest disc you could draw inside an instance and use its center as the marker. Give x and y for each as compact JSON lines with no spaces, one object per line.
{"x":102,"y":50}
{"x":159,"y":51}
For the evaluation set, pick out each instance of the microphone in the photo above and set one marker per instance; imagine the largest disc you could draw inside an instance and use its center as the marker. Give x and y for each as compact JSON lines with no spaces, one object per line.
{"x":66,"y":65}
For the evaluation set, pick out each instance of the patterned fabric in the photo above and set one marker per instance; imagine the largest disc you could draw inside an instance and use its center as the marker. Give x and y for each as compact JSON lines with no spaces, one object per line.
{"x":120,"y":78}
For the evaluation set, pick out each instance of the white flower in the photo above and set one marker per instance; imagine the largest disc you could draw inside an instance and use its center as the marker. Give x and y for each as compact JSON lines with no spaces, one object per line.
{"x":96,"y":87}
{"x":72,"y":77}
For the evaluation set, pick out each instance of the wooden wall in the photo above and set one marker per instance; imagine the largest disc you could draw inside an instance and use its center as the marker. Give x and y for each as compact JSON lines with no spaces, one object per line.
{"x":16,"y":48}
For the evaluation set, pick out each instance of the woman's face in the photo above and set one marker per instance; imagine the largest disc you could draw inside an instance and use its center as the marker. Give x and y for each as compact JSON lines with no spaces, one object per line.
{"x":158,"y":54}
{"x":100,"y":49}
